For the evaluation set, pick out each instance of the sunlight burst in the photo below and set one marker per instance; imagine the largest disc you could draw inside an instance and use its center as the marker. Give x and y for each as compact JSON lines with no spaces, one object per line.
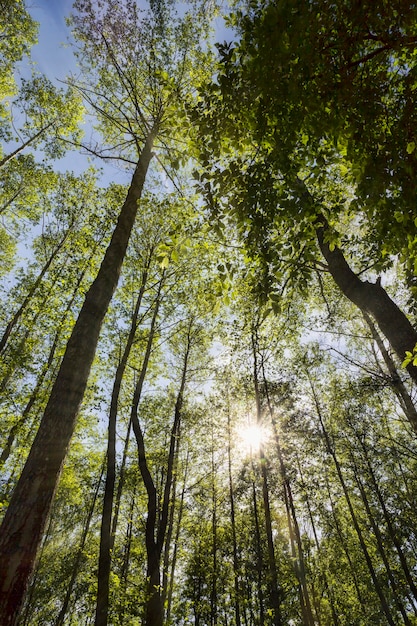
{"x":252,"y":437}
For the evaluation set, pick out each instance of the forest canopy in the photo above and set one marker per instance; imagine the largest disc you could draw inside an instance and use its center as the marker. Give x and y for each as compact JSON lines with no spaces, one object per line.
{"x":208,"y":333}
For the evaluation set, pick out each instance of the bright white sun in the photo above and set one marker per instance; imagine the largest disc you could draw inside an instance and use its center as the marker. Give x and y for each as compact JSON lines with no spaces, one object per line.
{"x":252,"y":437}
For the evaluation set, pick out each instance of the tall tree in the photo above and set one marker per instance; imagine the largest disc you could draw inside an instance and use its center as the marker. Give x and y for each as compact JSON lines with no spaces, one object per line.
{"x":147,"y":108}
{"x":293,"y":189}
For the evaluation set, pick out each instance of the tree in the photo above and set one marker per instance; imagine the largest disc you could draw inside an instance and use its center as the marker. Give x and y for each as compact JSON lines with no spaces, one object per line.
{"x":18,"y":34}
{"x":292,"y":189}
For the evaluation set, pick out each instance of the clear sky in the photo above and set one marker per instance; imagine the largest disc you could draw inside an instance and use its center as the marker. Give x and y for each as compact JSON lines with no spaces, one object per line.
{"x":52,"y":54}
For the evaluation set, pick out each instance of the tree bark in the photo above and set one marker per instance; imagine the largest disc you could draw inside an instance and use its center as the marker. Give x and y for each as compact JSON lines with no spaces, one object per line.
{"x":367,"y":296}
{"x":26,"y":517}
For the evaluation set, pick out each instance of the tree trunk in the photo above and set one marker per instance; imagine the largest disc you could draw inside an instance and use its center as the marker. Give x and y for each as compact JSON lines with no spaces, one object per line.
{"x":120,"y":485}
{"x":170,"y":586}
{"x":155,"y":531}
{"x":45,"y":369}
{"x":293,"y":526}
{"x":236,"y":566}
{"x":368,"y":297}
{"x":27,"y":514}
{"x":64,"y":609}
{"x":381,"y":549}
{"x":259,"y":556}
{"x":397,"y":384}
{"x":25,"y":144}
{"x":16,"y":317}
{"x":214,"y":549}
{"x":329,"y":591}
{"x":153,"y":604}
{"x":391,"y":530}
{"x":275,"y":593}
{"x":103,"y":575}
{"x":377,"y":586}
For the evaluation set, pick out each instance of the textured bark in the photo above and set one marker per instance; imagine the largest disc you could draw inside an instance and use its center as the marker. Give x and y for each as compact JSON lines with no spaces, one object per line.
{"x":26,"y":517}
{"x":368,"y":297}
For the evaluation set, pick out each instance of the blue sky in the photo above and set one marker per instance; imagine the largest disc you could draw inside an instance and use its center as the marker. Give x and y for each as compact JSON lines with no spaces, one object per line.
{"x":52,"y":54}
{"x":54,"y":58}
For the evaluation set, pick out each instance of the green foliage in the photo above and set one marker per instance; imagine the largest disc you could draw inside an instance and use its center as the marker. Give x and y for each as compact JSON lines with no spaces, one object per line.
{"x":18,"y":33}
{"x":319,"y":92}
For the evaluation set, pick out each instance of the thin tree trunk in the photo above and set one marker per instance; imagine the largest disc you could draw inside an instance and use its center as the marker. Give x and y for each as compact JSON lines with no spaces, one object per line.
{"x":170,"y":526}
{"x":19,"y":349}
{"x":170,"y":586}
{"x":154,"y":609}
{"x":397,"y":384}
{"x":126,"y":558}
{"x":26,"y":517}
{"x":236,"y":565}
{"x":77,"y":561}
{"x":259,"y":556}
{"x":275,"y":593}
{"x":346,"y":550}
{"x":390,"y":526}
{"x":213,"y":592}
{"x":293,"y":526}
{"x":104,"y":564}
{"x":318,"y":549}
{"x":25,"y":144}
{"x":380,"y":544}
{"x":120,"y":485}
{"x":384,"y":604}
{"x":35,"y":393}
{"x":16,"y":317}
